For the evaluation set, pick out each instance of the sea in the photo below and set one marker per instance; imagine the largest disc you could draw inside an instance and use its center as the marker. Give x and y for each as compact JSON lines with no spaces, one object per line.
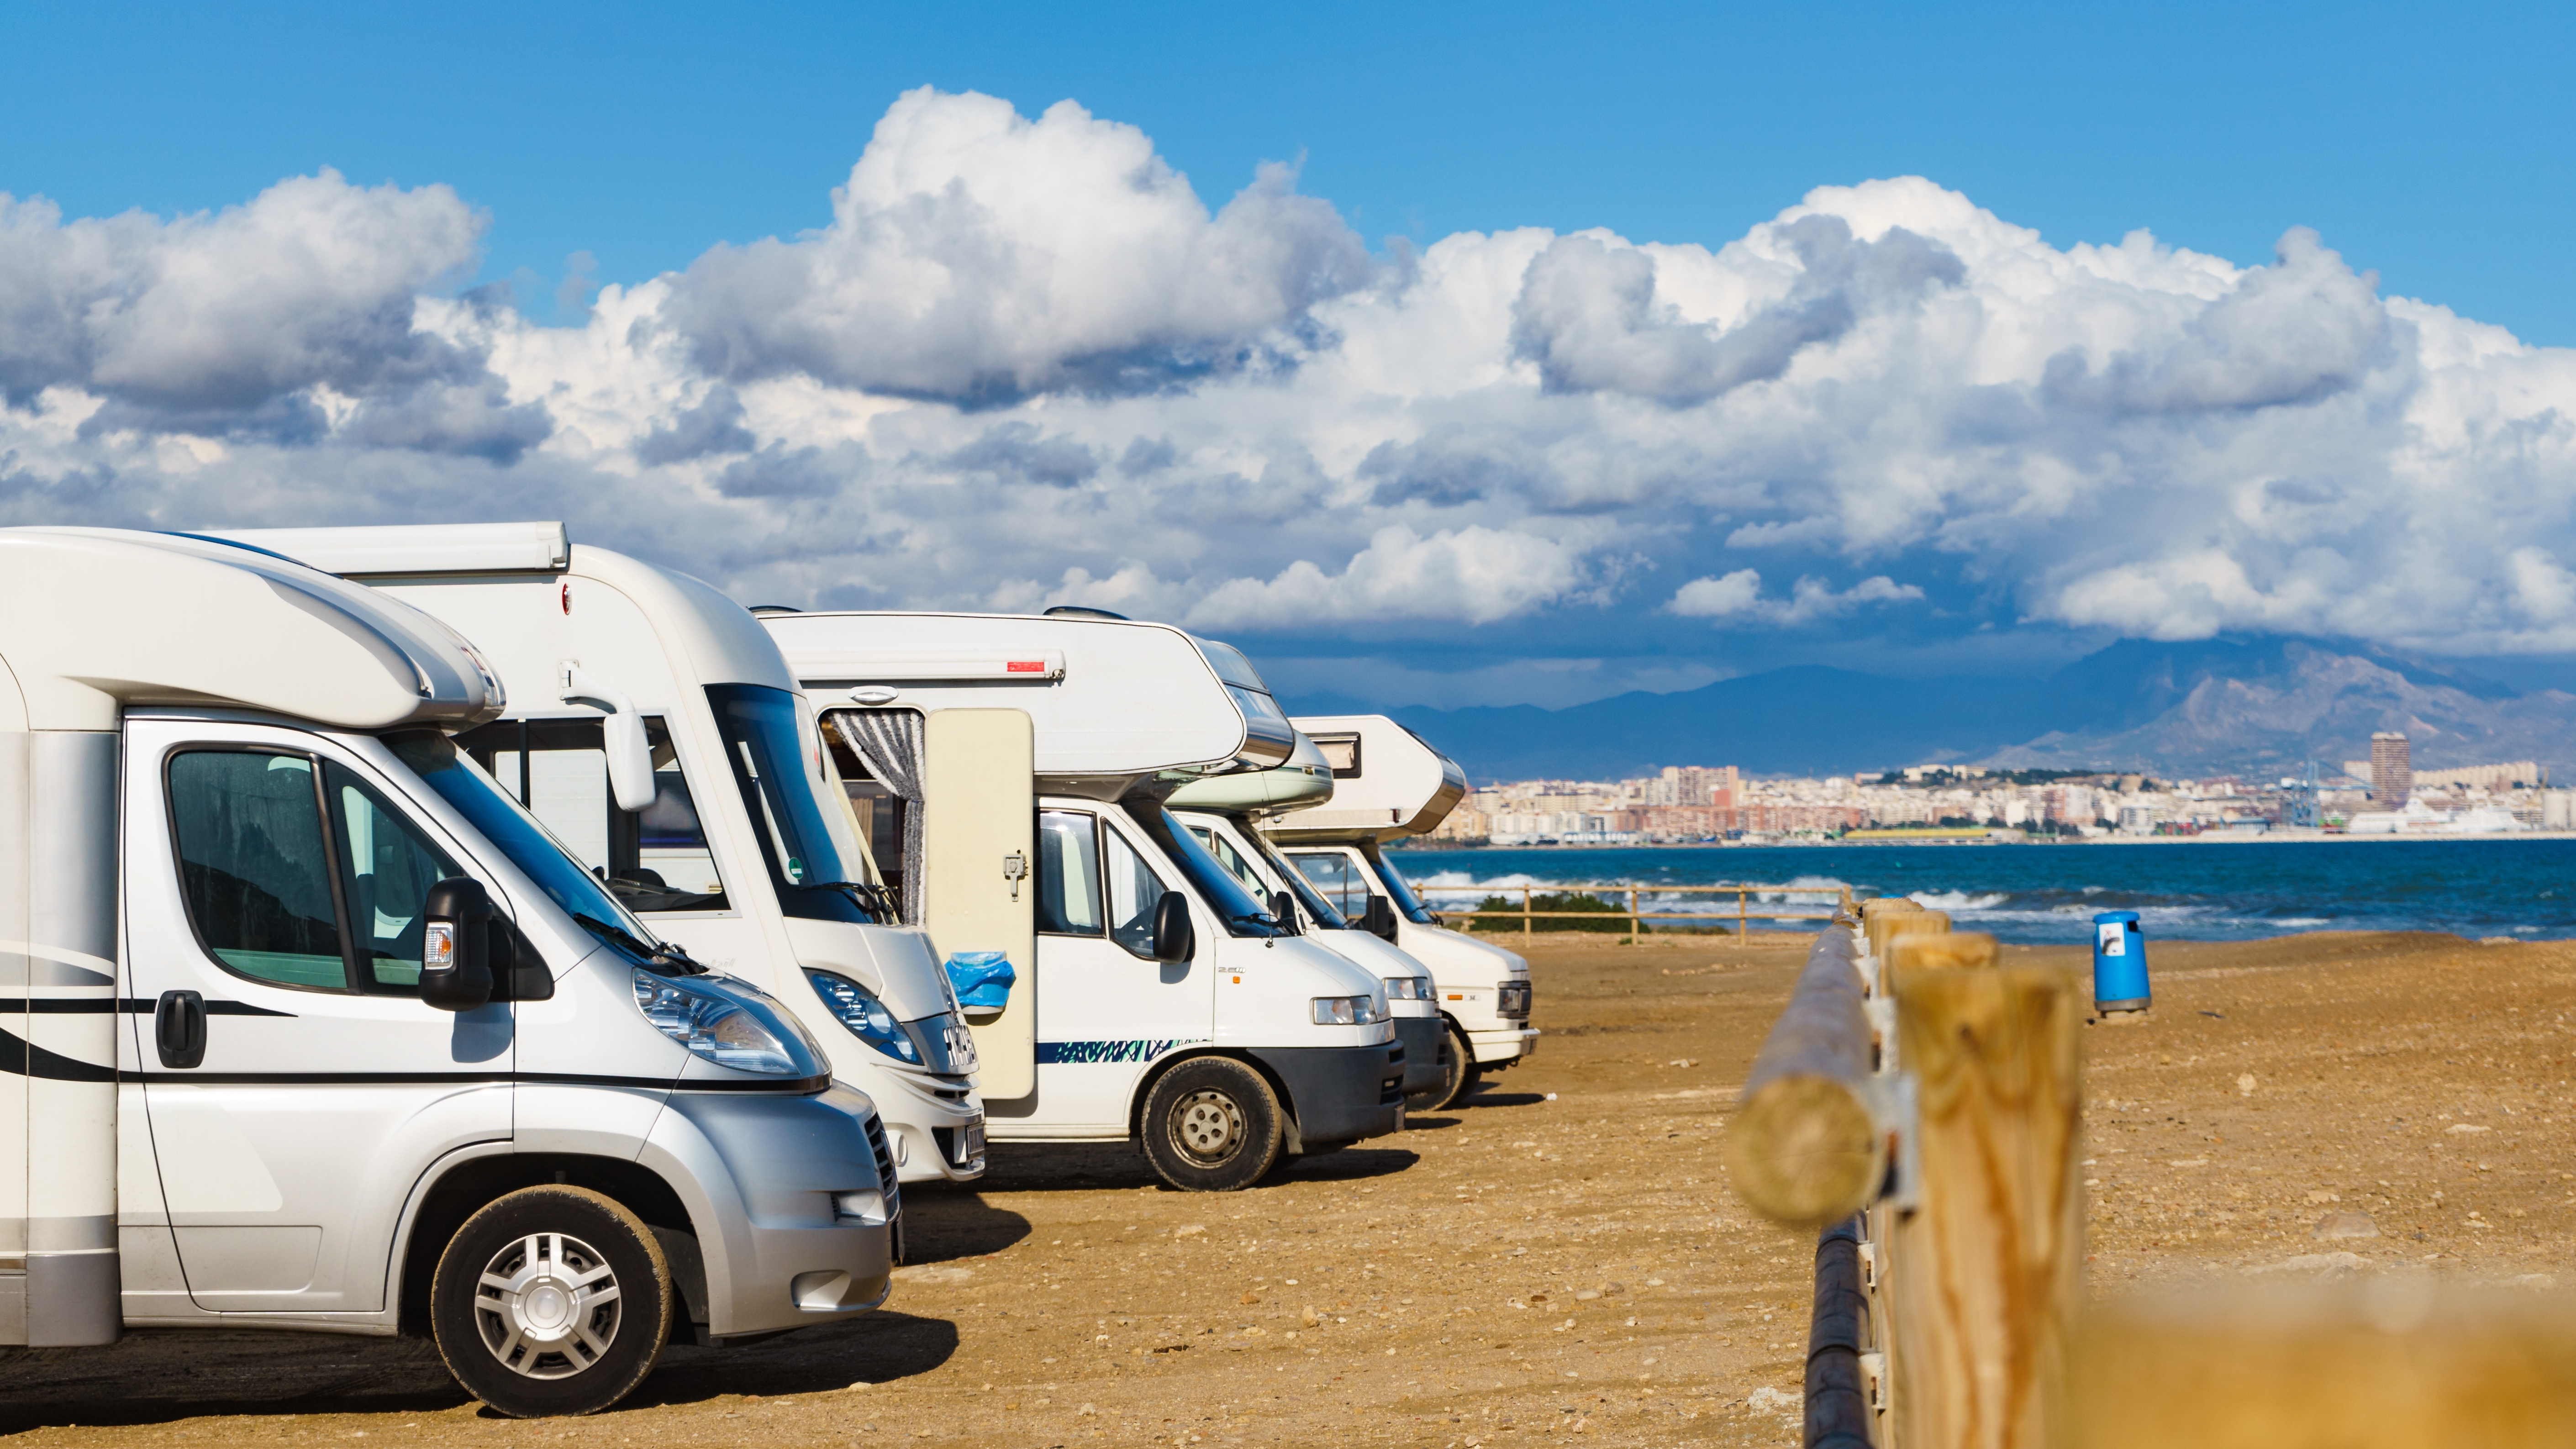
{"x":2048,"y":894}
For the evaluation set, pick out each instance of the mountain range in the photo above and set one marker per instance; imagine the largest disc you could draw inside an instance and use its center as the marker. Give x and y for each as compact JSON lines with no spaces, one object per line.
{"x":2255,"y":707}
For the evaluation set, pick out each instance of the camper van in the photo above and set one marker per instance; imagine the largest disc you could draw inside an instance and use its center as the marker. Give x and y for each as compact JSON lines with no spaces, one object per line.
{"x":1389,"y":785}
{"x":1012,"y":771}
{"x":310,"y":1026}
{"x":654,"y":729}
{"x":1223,"y":811}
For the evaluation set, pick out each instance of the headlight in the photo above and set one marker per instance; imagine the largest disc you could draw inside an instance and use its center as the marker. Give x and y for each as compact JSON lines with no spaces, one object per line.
{"x":866,"y":1206}
{"x":1408,"y":988}
{"x":1345,"y":1011}
{"x":865,"y":1016}
{"x":1512,"y":998}
{"x":713,"y":1026}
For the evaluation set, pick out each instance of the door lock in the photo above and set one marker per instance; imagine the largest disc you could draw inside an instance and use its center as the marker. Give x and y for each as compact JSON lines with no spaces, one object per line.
{"x":1015,"y":869}
{"x":179,"y":1028}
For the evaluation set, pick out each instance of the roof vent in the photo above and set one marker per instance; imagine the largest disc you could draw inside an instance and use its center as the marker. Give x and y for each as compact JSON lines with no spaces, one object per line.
{"x":1084,"y":611}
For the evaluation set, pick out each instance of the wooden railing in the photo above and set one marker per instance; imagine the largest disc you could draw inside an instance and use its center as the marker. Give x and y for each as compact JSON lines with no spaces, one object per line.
{"x":1746,"y":912}
{"x":1920,"y":1105}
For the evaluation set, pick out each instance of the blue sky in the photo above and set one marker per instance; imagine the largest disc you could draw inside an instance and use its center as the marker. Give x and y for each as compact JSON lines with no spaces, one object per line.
{"x":2430,"y":142}
{"x":1549,"y":371}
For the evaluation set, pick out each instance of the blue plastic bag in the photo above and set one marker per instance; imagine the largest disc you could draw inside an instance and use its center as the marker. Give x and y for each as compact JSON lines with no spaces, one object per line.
{"x":982,"y":979}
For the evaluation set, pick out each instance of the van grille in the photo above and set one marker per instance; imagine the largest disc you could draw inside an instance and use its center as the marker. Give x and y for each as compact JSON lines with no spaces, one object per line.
{"x":886,"y":1180}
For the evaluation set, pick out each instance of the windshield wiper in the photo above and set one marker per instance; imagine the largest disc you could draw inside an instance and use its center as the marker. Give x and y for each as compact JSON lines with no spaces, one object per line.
{"x":876,"y":900}
{"x":674,"y":957}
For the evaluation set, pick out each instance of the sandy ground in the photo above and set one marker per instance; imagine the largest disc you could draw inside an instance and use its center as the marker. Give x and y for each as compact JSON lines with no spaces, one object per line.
{"x":1557,"y":1256}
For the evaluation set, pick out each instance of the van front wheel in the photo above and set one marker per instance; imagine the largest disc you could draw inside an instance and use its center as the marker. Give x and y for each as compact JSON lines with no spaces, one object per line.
{"x":552,"y":1300}
{"x":1212,"y":1125}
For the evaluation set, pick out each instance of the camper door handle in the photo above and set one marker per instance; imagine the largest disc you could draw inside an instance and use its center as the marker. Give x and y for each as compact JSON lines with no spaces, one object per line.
{"x":179,"y":1028}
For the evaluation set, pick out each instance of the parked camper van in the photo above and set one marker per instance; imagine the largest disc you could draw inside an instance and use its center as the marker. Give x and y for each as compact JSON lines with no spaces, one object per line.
{"x":1387,"y":785}
{"x":1223,"y":811}
{"x":311,"y":1026}
{"x":1016,"y":768}
{"x":655,"y":730}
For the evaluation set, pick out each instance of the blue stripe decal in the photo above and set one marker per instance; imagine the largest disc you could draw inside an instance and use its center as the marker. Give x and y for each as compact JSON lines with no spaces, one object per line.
{"x":1052,"y":1053}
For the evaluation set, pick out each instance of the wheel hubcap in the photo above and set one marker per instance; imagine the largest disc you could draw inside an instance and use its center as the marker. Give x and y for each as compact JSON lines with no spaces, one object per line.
{"x":1208,"y":1126}
{"x":547,"y":1306}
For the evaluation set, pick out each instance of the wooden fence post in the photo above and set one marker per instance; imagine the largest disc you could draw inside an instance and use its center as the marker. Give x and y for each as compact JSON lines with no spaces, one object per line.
{"x":1632,"y":915}
{"x":1988,"y":1259}
{"x":1743,"y":918}
{"x":1526,"y":927}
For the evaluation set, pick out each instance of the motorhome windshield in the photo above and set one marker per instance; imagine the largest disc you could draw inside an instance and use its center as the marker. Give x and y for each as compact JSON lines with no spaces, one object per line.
{"x":1243,"y":915}
{"x":779,"y":767}
{"x":1405,"y":900}
{"x":456,"y":779}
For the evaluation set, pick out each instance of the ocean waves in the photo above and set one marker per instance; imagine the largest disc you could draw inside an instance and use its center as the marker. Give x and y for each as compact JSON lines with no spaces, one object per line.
{"x":2049,"y":894}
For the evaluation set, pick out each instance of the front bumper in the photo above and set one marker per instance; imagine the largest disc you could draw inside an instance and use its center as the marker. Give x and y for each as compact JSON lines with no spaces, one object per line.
{"x":1425,"y":1040}
{"x":757,"y":1172}
{"x":1508,"y":1046}
{"x":1340,"y":1094}
{"x":929,"y":1131}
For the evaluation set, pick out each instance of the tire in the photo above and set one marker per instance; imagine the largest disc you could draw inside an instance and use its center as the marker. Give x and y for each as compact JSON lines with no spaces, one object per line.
{"x":1455,"y":1082}
{"x":517,"y":1310}
{"x":1212,"y":1125}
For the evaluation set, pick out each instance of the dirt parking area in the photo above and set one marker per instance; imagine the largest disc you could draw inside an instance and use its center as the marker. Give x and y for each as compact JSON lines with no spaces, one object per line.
{"x":1556,"y":1256}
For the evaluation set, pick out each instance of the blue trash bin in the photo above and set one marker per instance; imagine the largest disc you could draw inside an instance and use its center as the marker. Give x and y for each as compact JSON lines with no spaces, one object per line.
{"x":982,"y":980}
{"x":2120,"y":963}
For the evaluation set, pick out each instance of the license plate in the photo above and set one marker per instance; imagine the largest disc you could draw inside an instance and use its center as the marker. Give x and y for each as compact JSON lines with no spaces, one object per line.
{"x":961,"y":1048}
{"x":970,"y":1143}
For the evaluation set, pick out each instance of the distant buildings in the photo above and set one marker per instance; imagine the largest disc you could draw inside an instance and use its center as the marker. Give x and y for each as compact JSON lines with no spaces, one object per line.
{"x":1703,"y":802}
{"x":2392,"y":770}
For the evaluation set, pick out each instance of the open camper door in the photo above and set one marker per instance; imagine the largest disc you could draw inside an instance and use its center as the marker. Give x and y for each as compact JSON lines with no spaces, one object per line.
{"x":979,"y":872}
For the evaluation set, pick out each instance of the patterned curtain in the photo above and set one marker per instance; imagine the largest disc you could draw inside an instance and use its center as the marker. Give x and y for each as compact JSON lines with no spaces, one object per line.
{"x":889,"y":743}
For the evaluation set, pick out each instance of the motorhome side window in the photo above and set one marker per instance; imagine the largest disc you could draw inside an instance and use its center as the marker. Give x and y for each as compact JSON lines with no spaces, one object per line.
{"x":255,"y":867}
{"x":1068,"y":873}
{"x":259,"y":845}
{"x":1134,"y":891}
{"x":1233,"y":861}
{"x":386,"y":869}
{"x":1332,"y":872}
{"x":558,"y":768}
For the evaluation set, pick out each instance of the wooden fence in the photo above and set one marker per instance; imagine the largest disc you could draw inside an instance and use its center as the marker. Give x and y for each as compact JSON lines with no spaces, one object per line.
{"x":1744,"y":892}
{"x":1920,"y":1105}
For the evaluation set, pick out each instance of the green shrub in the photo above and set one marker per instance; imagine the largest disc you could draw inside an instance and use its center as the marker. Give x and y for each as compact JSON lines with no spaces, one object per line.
{"x":1545,"y":901}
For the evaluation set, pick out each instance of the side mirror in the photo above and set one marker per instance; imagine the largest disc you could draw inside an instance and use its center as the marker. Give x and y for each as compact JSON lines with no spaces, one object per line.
{"x":1174,"y":940}
{"x":455,"y":949}
{"x":1283,"y":909}
{"x":1379,"y":919}
{"x":630,"y":757}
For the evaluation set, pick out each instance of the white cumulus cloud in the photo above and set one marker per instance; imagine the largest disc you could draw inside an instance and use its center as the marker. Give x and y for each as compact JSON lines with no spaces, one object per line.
{"x":1028,"y":362}
{"x":977,"y":253}
{"x":1739,"y":596}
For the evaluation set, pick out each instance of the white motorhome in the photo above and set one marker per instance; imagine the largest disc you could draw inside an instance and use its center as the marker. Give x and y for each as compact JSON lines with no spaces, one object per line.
{"x":308,"y":1025}
{"x":1225,"y":811}
{"x":1157,"y":1000}
{"x":1387,"y":785}
{"x":729,"y":833}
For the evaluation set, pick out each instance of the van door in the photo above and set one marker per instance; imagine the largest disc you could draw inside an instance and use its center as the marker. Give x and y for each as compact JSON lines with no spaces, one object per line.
{"x":978,"y":782}
{"x":273,"y":888}
{"x":1109,"y":1009}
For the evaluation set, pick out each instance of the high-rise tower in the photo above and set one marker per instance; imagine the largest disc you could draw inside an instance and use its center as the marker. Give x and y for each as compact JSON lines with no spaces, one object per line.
{"x":2392,"y":770}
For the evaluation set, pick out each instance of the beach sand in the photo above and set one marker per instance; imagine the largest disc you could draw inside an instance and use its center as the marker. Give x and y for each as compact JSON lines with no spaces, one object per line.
{"x":1558,"y":1255}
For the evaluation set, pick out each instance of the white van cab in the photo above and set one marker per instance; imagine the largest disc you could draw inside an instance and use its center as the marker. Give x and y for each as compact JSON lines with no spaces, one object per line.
{"x":308,"y":1025}
{"x":1388,"y":785}
{"x":1224,"y":812}
{"x":655,"y":730}
{"x":1017,"y":767}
